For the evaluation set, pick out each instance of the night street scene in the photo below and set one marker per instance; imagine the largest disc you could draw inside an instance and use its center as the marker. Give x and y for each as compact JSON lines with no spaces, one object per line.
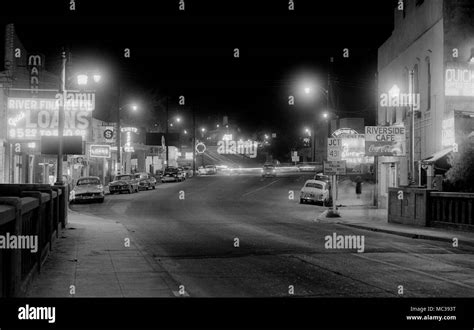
{"x":237,"y":149}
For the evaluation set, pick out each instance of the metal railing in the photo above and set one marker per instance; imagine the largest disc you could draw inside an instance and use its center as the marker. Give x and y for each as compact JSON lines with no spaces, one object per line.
{"x":452,"y":209}
{"x":28,"y":213}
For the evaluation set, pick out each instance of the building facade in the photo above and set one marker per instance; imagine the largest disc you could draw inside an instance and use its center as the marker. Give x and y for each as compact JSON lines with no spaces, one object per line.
{"x":425,"y":74}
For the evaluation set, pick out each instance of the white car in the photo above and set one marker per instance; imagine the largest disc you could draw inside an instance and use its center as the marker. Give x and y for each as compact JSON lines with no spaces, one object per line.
{"x":88,"y":188}
{"x":202,"y":170}
{"x":315,"y":191}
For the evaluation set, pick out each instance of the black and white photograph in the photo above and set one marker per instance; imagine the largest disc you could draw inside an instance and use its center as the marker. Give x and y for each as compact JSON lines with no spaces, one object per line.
{"x":274,"y":163}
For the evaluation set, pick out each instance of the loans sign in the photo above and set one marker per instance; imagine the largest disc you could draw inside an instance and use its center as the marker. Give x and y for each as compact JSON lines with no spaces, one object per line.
{"x":30,"y":118}
{"x":385,"y":141}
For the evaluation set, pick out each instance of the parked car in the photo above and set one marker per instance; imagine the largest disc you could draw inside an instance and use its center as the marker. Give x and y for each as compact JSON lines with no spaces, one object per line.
{"x":322,"y":177}
{"x":173,"y":172}
{"x":211,"y":169}
{"x":188,"y":170}
{"x":268,"y":170}
{"x":124,"y":183}
{"x":169,"y":177}
{"x":315,"y":191}
{"x":88,"y":188}
{"x":182,"y":173}
{"x":201,"y":170}
{"x":145,"y":181}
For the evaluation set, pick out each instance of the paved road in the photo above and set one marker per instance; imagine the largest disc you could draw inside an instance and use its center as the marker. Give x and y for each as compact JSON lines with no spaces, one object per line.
{"x":280,"y":245}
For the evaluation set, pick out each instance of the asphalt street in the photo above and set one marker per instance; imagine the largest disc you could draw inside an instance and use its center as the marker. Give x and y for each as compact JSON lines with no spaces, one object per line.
{"x":245,"y":236}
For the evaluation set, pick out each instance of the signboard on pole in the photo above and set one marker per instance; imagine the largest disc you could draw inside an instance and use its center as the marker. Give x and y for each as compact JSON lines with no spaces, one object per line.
{"x":385,"y":141}
{"x":100,"y":151}
{"x":334,"y":149}
{"x":335,"y":167}
{"x":294,"y":156}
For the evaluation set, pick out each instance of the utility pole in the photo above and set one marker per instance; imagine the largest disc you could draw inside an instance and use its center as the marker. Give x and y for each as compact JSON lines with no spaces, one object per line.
{"x":412,"y":135}
{"x":117,"y":139}
{"x":167,"y":131}
{"x":194,"y":141}
{"x":62,"y":89}
{"x":376,"y":158}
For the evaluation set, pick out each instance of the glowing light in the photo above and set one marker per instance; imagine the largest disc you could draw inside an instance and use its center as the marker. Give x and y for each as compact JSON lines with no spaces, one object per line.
{"x":394,"y":91}
{"x":97,"y":78}
{"x":82,"y":79}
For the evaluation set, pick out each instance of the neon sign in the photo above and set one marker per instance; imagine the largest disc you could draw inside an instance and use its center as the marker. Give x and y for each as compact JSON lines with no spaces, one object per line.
{"x":459,"y":80}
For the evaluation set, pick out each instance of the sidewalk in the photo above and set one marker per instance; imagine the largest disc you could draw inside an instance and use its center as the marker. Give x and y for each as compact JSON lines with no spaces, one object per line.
{"x":91,"y":255}
{"x":376,"y":220}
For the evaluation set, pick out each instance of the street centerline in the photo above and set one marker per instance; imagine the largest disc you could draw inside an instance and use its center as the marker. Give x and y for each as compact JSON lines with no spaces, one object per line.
{"x":258,"y":189}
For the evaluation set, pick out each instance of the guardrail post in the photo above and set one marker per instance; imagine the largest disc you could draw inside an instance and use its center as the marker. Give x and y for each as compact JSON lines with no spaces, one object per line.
{"x":14,"y":286}
{"x":63,"y":199}
{"x":40,"y":221}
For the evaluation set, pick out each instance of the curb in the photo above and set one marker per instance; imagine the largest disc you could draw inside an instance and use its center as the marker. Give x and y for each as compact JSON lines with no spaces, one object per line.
{"x":409,"y":235}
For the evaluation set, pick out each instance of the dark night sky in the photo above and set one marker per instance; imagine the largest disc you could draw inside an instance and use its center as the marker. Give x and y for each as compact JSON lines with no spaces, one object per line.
{"x":191,"y":53}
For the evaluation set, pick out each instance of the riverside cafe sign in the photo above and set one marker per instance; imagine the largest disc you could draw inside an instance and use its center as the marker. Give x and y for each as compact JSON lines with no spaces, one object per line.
{"x":29,"y":118}
{"x":385,"y":141}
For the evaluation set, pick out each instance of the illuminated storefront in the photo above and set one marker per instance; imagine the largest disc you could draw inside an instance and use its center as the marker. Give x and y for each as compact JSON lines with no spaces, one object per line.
{"x":353,"y":151}
{"x":31,"y":116}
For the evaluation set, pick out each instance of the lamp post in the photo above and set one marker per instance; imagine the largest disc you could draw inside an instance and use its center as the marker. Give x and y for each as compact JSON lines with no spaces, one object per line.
{"x":59,"y":174}
{"x":412,"y":135}
{"x":167,"y":132}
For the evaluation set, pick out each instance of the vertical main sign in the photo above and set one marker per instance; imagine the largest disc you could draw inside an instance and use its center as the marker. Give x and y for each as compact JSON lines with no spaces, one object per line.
{"x":35,"y":63}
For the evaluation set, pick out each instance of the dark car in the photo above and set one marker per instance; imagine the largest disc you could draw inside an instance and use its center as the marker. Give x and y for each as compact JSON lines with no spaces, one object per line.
{"x":124,"y":183}
{"x":268,"y":170}
{"x":145,"y":181}
{"x":322,"y":177}
{"x":188,"y":171}
{"x":177,"y":172}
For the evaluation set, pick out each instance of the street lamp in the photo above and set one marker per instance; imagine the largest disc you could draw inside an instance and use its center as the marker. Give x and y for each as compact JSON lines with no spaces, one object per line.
{"x":82,"y":79}
{"x":308,"y":89}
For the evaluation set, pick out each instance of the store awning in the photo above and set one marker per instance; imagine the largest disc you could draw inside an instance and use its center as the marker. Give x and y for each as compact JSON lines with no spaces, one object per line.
{"x":437,"y":156}
{"x":439,"y":160}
